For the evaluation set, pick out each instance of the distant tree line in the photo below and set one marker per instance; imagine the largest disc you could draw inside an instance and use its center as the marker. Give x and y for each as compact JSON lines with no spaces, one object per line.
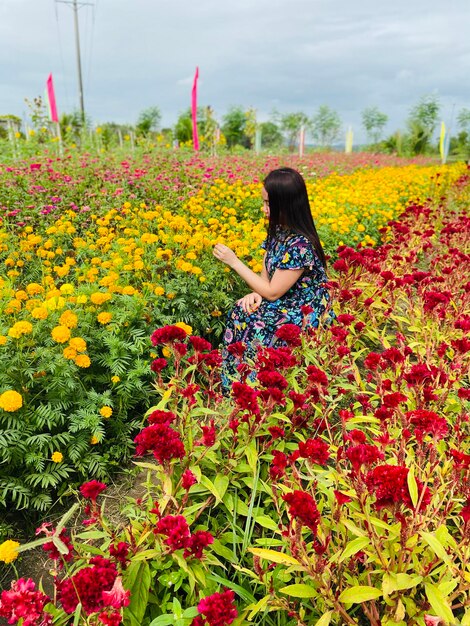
{"x":239,"y":129}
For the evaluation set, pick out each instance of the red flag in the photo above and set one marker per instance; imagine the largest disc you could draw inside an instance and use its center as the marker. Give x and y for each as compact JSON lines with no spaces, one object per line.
{"x":194,"y":110}
{"x":51,"y":97}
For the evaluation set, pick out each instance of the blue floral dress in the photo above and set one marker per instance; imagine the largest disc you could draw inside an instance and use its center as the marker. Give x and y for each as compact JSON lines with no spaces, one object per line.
{"x":286,"y":251}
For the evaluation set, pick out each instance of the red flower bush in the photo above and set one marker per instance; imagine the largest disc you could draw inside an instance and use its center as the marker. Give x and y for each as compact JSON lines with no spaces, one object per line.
{"x":23,"y":602}
{"x":88,"y":586}
{"x":303,"y":507}
{"x":218,"y":609}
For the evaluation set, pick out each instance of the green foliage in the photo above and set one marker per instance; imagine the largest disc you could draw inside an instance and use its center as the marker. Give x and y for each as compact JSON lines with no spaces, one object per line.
{"x":326,"y":126}
{"x":148,"y":121}
{"x":234,"y":127}
{"x":422,"y":123}
{"x":374,"y":121}
{"x":291,"y":123}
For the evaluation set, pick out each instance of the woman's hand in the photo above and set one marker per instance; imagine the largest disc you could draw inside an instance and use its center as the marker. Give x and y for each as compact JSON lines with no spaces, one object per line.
{"x":250,"y":302}
{"x":225,"y":254}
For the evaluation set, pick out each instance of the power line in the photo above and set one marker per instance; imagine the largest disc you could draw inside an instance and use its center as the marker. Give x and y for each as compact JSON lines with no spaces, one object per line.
{"x":61,"y":53}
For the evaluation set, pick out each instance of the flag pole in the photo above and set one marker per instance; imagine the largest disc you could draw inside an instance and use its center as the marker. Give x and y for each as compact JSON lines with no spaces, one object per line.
{"x":194,"y":110}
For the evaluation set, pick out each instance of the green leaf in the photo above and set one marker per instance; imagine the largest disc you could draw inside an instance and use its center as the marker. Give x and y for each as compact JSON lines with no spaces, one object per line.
{"x":274,"y":556}
{"x":221,"y":483}
{"x":77,"y":614}
{"x":412,"y":486}
{"x":137,"y":580}
{"x":266,"y":522}
{"x":436,"y":546}
{"x":465,"y":621}
{"x":252,"y":455}
{"x":353,"y":547}
{"x":163,"y":620}
{"x":210,"y":486}
{"x":259,"y":606}
{"x":358,"y":594}
{"x":439,"y":604}
{"x":299,"y":591}
{"x":325,"y":619}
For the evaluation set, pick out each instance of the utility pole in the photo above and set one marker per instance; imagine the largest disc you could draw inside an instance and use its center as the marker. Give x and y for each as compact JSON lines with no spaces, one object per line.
{"x":75,"y":6}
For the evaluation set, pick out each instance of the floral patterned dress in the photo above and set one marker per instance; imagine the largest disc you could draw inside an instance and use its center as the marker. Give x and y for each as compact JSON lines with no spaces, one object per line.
{"x":286,"y":251}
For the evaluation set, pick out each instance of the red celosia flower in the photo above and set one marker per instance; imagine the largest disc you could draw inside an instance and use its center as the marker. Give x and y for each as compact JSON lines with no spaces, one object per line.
{"x":278,"y":465}
{"x":463,"y":394}
{"x":346,"y":319}
{"x":237,"y":349}
{"x":427,"y":422}
{"x":167,"y":334}
{"x":359,"y":326}
{"x":200,"y":344}
{"x":176,"y":529}
{"x":211,"y":359}
{"x":461,"y":460}
{"x":363,"y":454}
{"x":269,"y":378}
{"x":188,"y":479}
{"x":92,"y":489}
{"x":356,"y":436}
{"x":343,"y":351}
{"x":303,"y":507}
{"x":275,"y":358}
{"x":463,"y":323}
{"x":117,"y":597}
{"x":53,"y":552}
{"x":341,"y":498}
{"x":389,"y":484}
{"x":110,"y":618}
{"x":306,"y":309}
{"x":158,"y":365}
{"x":208,"y":435}
{"x":245,"y":397}
{"x":160,"y":439}
{"x":161,"y":417}
{"x":339,"y":333}
{"x":315,"y":450}
{"x":422,"y":372}
{"x":316,"y":375}
{"x":372,"y":361}
{"x":290,"y":333}
{"x":196,"y":544}
{"x":23,"y":602}
{"x":392,"y":356}
{"x":120,"y":552}
{"x":433,"y":299}
{"x":218,"y":609}
{"x":87,"y":586}
{"x":277,"y":432}
{"x":465,"y":512}
{"x":392,"y":400}
{"x":299,"y":399}
{"x":461,"y":345}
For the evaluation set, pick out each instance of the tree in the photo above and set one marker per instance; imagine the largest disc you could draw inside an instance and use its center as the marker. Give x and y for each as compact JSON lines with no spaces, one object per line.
{"x":463,"y":120}
{"x":326,"y":126}
{"x":234,"y":127}
{"x":184,"y":127}
{"x":291,"y":123}
{"x":422,"y":123}
{"x":374,"y":122}
{"x":148,"y":121}
{"x":271,"y":135}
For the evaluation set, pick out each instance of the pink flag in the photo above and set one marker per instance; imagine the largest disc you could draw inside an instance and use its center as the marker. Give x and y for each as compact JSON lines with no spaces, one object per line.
{"x":194,"y":110}
{"x":51,"y":97}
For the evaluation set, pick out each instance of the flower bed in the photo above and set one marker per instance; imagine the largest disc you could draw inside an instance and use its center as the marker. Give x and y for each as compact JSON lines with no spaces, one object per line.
{"x":333,"y":490}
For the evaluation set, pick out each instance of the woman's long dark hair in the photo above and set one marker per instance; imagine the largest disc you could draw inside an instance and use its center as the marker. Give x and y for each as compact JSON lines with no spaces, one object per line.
{"x":289,"y":206}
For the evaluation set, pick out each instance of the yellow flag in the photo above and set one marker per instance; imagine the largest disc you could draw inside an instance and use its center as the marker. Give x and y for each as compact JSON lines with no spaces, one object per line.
{"x":442,"y":140}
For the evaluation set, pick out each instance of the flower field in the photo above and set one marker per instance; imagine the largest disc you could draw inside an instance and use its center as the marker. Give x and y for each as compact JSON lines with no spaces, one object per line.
{"x":335,"y":490}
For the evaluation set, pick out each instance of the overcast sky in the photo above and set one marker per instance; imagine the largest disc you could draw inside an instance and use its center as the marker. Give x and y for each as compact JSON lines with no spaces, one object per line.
{"x":289,"y":55}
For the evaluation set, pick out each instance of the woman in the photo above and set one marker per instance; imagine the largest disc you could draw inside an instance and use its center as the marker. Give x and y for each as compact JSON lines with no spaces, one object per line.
{"x":293,"y":275}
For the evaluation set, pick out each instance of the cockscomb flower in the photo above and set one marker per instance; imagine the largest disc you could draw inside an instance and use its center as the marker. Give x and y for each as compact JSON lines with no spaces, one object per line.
{"x":87,"y":586}
{"x":315,"y":450}
{"x":162,"y":440}
{"x":218,"y":609}
{"x":390,"y":486}
{"x":363,"y":454}
{"x":290,"y":333}
{"x":303,"y":507}
{"x":176,"y":529}
{"x":167,"y":334}
{"x":92,"y":489}
{"x":23,"y":602}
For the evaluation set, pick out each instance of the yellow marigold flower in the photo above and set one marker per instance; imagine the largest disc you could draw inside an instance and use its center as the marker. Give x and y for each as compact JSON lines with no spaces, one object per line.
{"x":69,"y":353}
{"x":21,"y":295}
{"x":216,"y":313}
{"x":57,"y":457}
{"x":55,"y":303}
{"x":68,"y":319}
{"x":171,"y":296}
{"x":188,"y":330}
{"x":39,"y":313}
{"x":128,"y":290}
{"x":9,"y":551}
{"x":34,"y":289}
{"x":159,"y":291}
{"x":100,"y":298}
{"x":83,"y":360}
{"x":3,"y":340}
{"x":20,"y":328}
{"x":82,"y":299}
{"x":13,"y":306}
{"x":115,"y":379}
{"x":166,"y":352}
{"x":94,"y":440}
{"x":61,"y":334}
{"x":104,"y":317}
{"x":11,"y":401}
{"x":106,"y":411}
{"x":67,"y":288}
{"x":78,"y":344}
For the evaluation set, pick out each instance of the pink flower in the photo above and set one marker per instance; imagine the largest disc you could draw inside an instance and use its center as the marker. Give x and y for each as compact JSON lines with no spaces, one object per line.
{"x":23,"y":602}
{"x":117,"y":596}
